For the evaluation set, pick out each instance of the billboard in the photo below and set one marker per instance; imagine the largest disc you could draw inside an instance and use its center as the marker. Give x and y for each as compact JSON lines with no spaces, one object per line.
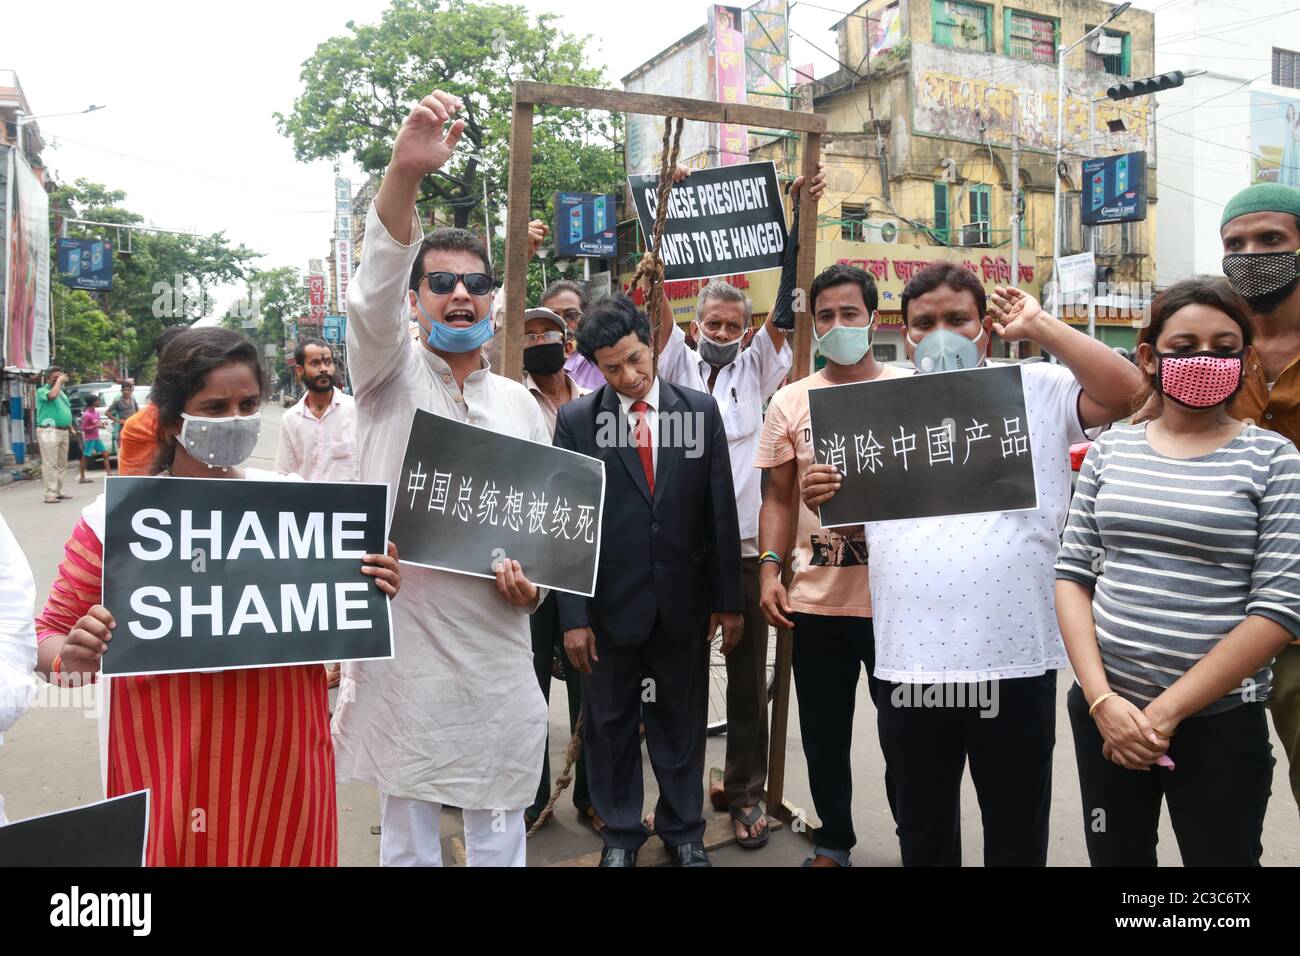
{"x":728,"y":45}
{"x":958,"y":94}
{"x":342,"y":271}
{"x":1274,"y":139}
{"x":27,"y":270}
{"x":86,"y":264}
{"x":1115,"y":189}
{"x":585,"y":225}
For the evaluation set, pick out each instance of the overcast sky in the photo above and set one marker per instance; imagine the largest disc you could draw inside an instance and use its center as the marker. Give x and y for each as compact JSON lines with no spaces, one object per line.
{"x":190,"y":88}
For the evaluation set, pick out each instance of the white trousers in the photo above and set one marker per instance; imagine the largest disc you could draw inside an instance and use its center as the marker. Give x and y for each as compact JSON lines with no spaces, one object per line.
{"x":410,"y":834}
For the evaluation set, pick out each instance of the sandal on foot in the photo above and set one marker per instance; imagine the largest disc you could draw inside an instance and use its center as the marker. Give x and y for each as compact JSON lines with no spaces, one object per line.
{"x":751,"y":842}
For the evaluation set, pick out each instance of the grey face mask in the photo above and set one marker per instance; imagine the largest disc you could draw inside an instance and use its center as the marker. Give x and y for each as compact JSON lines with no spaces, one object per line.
{"x":715,"y":353}
{"x":220,"y":442}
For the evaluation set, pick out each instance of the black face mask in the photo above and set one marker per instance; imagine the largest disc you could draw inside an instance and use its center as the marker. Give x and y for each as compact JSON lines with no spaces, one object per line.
{"x":1264,"y":279}
{"x":544,"y":359}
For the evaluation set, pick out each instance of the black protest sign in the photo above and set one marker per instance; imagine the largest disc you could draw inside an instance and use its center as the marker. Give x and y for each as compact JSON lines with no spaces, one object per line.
{"x":106,"y":833}
{"x":468,"y":497}
{"x":721,"y":221}
{"x":204,"y":573}
{"x":946,"y":443}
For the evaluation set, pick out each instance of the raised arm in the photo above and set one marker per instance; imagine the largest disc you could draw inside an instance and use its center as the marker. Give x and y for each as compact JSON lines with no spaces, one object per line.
{"x":1112,"y":385}
{"x":378,"y":338}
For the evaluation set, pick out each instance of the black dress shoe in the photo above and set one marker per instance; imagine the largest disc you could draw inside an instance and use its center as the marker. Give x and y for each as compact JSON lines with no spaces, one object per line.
{"x":615,"y":856}
{"x":690,"y":854}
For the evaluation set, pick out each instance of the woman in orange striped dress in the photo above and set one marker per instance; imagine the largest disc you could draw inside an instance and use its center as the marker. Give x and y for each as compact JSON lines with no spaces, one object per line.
{"x":239,"y":763}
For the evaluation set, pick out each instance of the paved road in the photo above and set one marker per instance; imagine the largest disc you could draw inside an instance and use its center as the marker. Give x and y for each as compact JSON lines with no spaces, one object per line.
{"x":49,"y":760}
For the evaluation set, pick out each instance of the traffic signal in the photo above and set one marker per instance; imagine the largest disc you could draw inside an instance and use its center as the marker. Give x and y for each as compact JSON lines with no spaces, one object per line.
{"x":1146,"y":85}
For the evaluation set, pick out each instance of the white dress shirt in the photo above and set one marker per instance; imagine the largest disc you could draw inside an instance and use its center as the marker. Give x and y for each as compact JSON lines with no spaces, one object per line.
{"x":17,"y":634}
{"x":457,"y":716}
{"x":320,"y":449}
{"x":740,"y":390}
{"x":651,"y":419}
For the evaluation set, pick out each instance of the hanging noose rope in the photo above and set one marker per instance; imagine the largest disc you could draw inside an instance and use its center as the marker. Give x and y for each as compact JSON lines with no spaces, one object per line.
{"x":651,"y":269}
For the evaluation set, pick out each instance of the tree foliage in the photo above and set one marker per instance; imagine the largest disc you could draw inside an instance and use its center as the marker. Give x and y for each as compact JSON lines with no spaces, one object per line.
{"x":161,"y":279}
{"x":359,"y":87}
{"x":90,"y":344}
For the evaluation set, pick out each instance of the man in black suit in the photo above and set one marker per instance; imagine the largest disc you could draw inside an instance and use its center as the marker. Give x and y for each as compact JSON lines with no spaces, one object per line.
{"x":669,"y":577}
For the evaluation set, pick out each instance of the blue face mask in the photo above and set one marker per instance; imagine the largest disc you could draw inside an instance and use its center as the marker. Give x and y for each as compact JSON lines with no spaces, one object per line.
{"x":445,"y":338}
{"x":945,"y":351}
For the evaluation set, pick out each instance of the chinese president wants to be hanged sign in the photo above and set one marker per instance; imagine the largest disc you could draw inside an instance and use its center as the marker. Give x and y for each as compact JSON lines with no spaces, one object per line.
{"x":201,"y":573}
{"x":940,"y":444}
{"x":720,"y":221}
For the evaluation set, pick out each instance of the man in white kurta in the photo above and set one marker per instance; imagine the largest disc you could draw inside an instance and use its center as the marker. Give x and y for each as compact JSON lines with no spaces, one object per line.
{"x":457,"y":717}
{"x":17,"y":635}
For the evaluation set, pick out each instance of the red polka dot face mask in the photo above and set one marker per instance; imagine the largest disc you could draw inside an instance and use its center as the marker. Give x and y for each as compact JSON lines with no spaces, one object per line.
{"x":1199,"y":379}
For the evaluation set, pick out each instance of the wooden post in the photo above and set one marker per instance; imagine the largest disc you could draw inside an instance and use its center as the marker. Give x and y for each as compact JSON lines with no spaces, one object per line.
{"x":519,"y":199}
{"x":528,"y":94}
{"x":806,"y":269}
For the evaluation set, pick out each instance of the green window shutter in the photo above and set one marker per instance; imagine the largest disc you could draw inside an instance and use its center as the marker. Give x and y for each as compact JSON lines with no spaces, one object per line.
{"x":942,"y":225}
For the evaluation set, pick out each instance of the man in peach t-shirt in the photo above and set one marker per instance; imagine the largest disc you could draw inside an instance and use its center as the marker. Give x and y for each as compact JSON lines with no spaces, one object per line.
{"x":829,"y":602}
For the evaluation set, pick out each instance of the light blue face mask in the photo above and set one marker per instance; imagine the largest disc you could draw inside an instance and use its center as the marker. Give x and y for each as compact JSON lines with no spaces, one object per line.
{"x":845,"y":344}
{"x":945,"y":351}
{"x":445,"y":338}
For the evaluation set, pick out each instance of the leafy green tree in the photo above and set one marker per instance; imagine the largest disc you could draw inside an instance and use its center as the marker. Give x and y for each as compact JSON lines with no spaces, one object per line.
{"x":359,"y":87}
{"x":89,"y":344}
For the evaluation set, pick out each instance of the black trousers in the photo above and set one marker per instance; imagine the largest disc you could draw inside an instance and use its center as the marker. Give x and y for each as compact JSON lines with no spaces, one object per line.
{"x":548,"y":640}
{"x":829,"y":653}
{"x":928,"y":731}
{"x":746,"y":766}
{"x":665,"y":683}
{"x":1217,"y":792}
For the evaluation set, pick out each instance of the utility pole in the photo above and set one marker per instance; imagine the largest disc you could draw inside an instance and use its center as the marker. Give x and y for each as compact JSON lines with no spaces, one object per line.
{"x":1015,"y":204}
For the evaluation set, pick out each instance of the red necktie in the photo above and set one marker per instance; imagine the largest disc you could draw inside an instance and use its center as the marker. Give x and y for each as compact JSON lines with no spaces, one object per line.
{"x":642,"y":436}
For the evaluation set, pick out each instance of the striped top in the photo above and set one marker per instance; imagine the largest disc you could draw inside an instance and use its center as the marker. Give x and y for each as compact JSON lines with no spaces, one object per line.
{"x":1181,"y":551}
{"x":239,"y":763}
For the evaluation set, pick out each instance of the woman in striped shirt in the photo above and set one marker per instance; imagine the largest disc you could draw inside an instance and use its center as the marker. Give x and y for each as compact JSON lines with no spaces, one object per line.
{"x":1177,"y":583}
{"x":239,"y":763}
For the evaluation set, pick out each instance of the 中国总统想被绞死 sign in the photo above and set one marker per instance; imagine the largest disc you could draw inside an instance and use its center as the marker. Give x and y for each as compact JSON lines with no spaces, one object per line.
{"x":206,"y":573}
{"x":945,"y":443}
{"x":468,"y":497}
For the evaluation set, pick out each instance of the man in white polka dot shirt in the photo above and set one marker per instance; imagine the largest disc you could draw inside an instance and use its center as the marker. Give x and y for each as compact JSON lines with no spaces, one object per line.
{"x":967,"y":645}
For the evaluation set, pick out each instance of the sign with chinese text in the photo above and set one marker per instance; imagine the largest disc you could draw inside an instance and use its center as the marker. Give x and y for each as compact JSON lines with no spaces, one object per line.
{"x":468,"y":497}
{"x":939,"y":444}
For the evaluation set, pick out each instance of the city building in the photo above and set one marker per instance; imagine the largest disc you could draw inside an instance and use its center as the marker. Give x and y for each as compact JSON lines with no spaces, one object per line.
{"x":934,"y":103}
{"x":1236,"y":124}
{"x":24,"y":269}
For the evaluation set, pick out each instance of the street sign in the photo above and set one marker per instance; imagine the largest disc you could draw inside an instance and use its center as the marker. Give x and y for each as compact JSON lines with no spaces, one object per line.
{"x":1115,"y":189}
{"x":86,"y":264}
{"x":585,"y":226}
{"x":1076,"y":273}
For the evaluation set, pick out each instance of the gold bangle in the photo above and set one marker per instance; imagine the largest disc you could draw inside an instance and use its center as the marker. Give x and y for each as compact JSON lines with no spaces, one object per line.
{"x":1096,"y":703}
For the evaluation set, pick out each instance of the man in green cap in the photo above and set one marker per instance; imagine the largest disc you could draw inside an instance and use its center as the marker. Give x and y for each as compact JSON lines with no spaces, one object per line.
{"x":1261,"y":241}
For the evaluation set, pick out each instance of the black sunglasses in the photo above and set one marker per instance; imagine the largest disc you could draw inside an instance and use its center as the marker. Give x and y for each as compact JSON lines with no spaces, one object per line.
{"x":477,"y":283}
